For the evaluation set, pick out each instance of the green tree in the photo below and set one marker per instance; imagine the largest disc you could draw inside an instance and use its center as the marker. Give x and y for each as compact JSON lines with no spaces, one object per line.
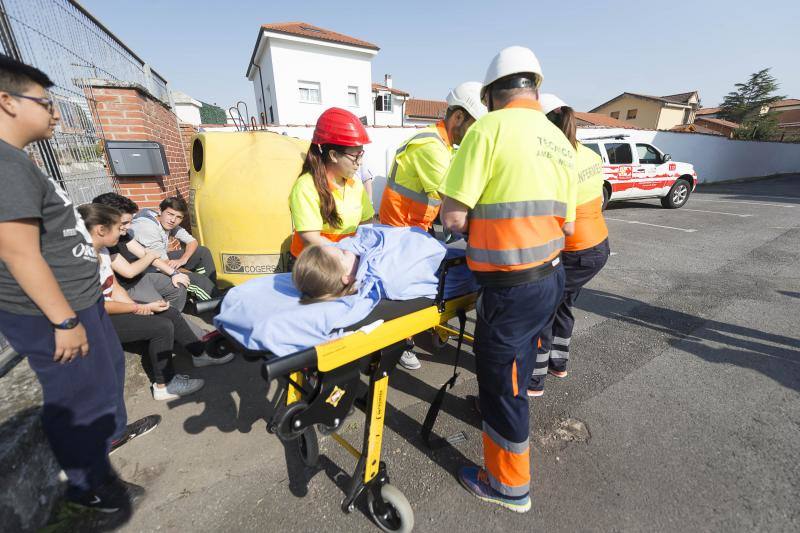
{"x":211,"y":114}
{"x":747,"y":103}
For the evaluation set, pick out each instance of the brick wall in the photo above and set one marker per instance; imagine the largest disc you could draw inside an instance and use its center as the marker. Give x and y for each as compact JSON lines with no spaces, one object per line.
{"x":132,"y":114}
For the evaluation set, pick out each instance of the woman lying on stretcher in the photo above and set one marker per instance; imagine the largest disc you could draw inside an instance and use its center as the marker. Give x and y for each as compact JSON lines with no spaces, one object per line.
{"x":336,"y":286}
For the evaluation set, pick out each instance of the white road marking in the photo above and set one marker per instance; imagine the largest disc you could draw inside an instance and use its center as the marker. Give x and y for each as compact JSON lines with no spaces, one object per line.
{"x":762,"y":196}
{"x":695,"y":199}
{"x":654,"y":225}
{"x":613,"y":253}
{"x":717,"y":212}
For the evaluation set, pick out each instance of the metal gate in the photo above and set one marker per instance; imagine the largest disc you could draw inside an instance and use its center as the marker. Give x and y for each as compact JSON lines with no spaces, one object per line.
{"x":65,"y":41}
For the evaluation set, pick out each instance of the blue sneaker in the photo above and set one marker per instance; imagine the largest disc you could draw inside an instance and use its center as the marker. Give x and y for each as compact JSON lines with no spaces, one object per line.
{"x":476,"y":481}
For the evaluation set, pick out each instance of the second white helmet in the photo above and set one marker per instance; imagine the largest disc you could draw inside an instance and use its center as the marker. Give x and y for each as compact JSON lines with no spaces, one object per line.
{"x":468,"y":96}
{"x":549,"y":101}
{"x":513,"y":60}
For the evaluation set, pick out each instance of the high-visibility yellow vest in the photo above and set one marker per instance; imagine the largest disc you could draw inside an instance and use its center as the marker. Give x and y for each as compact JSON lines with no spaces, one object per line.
{"x":590,"y":226}
{"x":410,"y":197}
{"x":514,"y":170}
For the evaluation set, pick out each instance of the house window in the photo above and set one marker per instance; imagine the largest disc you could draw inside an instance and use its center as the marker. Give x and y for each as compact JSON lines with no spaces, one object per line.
{"x":631,"y":114}
{"x":383,"y":102}
{"x":619,"y":153}
{"x":352,"y":96}
{"x":309,"y":92}
{"x":686,"y":114}
{"x":615,"y":114}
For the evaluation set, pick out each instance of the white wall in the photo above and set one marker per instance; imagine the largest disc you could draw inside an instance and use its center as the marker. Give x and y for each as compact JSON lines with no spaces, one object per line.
{"x":188,"y":113}
{"x":284,"y":62}
{"x":716,"y":158}
{"x":386,"y":118}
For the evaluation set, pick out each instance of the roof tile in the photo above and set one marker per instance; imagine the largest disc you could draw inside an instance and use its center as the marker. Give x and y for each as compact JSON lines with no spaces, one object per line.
{"x":309,"y":31}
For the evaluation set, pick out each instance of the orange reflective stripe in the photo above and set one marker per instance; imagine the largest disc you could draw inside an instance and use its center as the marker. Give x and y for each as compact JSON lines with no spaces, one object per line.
{"x":298,"y":244}
{"x":401,"y":211}
{"x":523,"y":103}
{"x":443,"y":133}
{"x":513,"y":243}
{"x":512,"y":471}
{"x":590,"y":226}
{"x":514,"y":378}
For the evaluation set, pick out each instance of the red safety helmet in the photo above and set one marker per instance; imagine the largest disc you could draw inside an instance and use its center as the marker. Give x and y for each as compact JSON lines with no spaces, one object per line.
{"x":339,"y":126}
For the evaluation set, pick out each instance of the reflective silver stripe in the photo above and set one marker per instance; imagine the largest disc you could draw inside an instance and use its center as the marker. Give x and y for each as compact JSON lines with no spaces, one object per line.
{"x":508,"y":490}
{"x":542,"y":357}
{"x":515,"y":257}
{"x":513,"y":447}
{"x":419,"y":197}
{"x":527,"y":208}
{"x":562,"y":341}
{"x":540,"y":371}
{"x":559,"y":354}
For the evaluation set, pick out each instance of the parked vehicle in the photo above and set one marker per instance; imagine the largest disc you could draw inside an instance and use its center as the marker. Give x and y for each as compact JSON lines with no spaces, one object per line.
{"x":636,"y":170}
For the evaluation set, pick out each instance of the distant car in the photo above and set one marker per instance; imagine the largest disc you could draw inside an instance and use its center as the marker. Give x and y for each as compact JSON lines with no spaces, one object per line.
{"x":636,"y":170}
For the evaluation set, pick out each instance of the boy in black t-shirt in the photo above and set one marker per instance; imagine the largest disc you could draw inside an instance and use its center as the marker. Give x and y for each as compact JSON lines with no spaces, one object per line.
{"x":50,"y":304}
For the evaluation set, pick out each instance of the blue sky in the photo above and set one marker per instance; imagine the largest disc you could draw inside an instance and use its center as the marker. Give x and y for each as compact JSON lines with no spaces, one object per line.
{"x":590,"y":50}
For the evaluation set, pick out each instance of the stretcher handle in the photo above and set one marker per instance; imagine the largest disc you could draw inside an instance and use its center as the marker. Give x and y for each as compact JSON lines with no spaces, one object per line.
{"x":283,"y":366}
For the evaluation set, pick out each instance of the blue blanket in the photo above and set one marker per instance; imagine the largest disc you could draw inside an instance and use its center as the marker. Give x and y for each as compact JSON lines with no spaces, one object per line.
{"x":394,"y":263}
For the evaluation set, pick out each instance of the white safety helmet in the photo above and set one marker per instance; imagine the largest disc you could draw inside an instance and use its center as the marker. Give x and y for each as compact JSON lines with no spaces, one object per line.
{"x":549,"y":101}
{"x":468,"y":96}
{"x":513,"y":60}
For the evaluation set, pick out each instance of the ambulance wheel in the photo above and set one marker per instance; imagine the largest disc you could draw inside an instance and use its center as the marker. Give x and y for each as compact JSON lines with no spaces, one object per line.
{"x":678,"y":195}
{"x":393,"y":513}
{"x":308,"y":447}
{"x":285,"y":426}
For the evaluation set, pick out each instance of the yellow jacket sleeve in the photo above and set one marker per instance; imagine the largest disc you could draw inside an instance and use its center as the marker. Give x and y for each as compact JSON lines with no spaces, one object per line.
{"x":304,"y":205}
{"x":367,"y":211}
{"x":470,"y":171}
{"x":430,"y":161}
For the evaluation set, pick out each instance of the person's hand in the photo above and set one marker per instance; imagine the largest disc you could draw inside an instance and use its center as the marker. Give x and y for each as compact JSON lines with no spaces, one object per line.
{"x":70,"y":343}
{"x":143,"y":310}
{"x":176,"y":263}
{"x":180,"y":279}
{"x":158,"y":306}
{"x":151,"y":256}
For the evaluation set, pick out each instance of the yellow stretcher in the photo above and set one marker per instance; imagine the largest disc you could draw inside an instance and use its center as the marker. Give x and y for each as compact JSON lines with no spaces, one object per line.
{"x":322,"y":385}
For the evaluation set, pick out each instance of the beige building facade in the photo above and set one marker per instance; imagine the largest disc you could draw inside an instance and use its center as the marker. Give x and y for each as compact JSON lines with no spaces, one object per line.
{"x":652,"y":112}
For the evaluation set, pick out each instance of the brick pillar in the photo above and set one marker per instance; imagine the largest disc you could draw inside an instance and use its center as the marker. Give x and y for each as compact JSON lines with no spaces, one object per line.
{"x":130,"y":113}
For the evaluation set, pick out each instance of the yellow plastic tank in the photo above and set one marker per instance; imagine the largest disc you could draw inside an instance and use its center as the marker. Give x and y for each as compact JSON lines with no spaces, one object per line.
{"x":239,"y":200}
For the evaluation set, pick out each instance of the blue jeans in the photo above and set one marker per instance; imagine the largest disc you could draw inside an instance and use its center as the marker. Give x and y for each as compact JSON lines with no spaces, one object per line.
{"x":84,"y":407}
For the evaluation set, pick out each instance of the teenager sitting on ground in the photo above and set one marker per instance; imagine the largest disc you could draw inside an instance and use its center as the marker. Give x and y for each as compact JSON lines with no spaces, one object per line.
{"x":156,"y":322}
{"x":145,"y":276}
{"x":153,"y":229}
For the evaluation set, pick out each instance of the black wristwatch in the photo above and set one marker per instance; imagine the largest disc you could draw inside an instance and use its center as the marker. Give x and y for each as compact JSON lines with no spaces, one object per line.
{"x":70,"y":323}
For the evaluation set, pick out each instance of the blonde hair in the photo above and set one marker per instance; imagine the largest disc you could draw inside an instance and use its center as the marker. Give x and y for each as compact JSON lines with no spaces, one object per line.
{"x":318,"y":275}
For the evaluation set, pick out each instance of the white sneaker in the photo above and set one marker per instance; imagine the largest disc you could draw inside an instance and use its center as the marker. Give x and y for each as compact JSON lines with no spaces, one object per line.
{"x":206,"y":360}
{"x":409,"y":360}
{"x":181,"y":385}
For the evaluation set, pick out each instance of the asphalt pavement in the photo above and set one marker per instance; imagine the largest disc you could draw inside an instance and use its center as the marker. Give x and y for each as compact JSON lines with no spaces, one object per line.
{"x":681,"y":410}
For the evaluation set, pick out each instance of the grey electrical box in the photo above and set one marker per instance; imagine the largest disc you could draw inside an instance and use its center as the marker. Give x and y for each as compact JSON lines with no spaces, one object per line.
{"x":137,"y":158}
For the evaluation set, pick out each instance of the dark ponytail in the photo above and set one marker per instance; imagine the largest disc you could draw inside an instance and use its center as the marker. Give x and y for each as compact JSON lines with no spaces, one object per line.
{"x":314,"y":164}
{"x":99,"y":215}
{"x":567,"y":123}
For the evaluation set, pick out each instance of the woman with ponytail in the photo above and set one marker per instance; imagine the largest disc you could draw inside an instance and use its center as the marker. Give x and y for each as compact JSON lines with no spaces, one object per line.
{"x":327,"y":204}
{"x":585,"y":251}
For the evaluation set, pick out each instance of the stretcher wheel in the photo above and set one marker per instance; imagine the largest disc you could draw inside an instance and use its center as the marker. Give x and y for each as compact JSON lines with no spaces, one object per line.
{"x":308,"y":447}
{"x":219,"y":347}
{"x":393,"y":513}
{"x":440,"y":339}
{"x":284,"y":421}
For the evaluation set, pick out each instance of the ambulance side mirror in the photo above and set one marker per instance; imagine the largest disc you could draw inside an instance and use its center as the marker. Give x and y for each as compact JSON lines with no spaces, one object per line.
{"x":667,"y":157}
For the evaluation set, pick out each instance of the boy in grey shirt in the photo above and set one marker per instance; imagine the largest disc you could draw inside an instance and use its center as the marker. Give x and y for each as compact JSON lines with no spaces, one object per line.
{"x":153,"y":231}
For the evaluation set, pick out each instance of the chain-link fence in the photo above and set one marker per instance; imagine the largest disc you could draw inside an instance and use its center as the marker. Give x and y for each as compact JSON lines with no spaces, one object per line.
{"x":65,"y":41}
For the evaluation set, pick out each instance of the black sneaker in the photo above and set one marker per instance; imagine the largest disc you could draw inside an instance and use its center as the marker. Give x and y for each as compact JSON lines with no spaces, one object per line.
{"x":136,"y":429}
{"x":112,"y":497}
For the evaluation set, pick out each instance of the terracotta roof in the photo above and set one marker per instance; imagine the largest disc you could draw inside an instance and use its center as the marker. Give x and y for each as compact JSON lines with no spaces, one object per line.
{"x":432,"y":109}
{"x":694,"y":128}
{"x":680,"y":98}
{"x":706,"y":111}
{"x":785,"y":103}
{"x":720,"y":121}
{"x":597,"y":119}
{"x":378,"y":87}
{"x":309,"y":31}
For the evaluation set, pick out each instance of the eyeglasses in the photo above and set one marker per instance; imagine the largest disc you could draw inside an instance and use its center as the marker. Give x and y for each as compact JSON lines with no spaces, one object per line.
{"x":47,"y":103}
{"x":355,"y":157}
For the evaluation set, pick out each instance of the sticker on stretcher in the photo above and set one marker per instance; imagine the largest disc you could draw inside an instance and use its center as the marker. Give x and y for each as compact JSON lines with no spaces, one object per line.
{"x":250,"y":263}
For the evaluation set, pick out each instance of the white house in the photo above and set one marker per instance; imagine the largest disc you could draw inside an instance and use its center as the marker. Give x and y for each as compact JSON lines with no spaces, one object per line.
{"x":298,"y":70}
{"x":389,"y":104}
{"x":187,"y":108}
